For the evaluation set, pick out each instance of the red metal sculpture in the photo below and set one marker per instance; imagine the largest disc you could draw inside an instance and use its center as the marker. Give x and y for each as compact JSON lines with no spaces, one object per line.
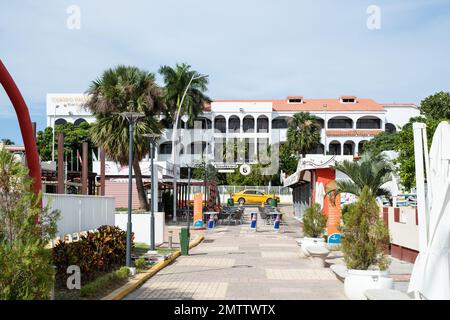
{"x":26,"y":127}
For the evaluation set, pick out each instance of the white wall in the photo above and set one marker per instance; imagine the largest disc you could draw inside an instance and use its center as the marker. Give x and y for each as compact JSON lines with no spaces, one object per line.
{"x":81,"y":213}
{"x":404,"y":233}
{"x":400,"y":115}
{"x":141,"y":226}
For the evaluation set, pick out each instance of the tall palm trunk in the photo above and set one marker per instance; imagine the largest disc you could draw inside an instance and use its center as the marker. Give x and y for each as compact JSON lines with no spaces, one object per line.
{"x":143,"y":204}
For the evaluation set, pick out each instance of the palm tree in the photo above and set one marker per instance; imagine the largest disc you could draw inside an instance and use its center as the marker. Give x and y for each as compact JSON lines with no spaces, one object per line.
{"x":175,"y":81}
{"x":303,"y":134}
{"x":370,"y":171}
{"x":125,"y":89}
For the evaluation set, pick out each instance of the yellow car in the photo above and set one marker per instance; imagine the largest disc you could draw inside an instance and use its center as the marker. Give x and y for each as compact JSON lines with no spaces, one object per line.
{"x":253,"y":196}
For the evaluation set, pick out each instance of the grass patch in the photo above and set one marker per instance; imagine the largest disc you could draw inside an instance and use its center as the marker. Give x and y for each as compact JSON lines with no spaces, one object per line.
{"x":97,"y":288}
{"x":141,"y":248}
{"x":92,"y":288}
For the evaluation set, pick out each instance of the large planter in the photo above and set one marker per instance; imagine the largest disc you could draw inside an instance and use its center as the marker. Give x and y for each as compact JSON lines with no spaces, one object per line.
{"x":358,"y":281}
{"x":307,"y":241}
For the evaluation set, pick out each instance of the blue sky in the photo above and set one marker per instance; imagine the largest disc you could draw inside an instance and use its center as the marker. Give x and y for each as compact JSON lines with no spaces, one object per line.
{"x":249,"y":48}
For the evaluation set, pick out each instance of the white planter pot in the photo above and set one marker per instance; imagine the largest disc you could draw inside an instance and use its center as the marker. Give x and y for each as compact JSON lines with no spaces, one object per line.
{"x":358,"y":281}
{"x":306,"y":241}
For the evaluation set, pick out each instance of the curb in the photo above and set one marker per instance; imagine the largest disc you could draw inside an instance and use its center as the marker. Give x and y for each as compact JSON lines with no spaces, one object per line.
{"x":141,"y":278}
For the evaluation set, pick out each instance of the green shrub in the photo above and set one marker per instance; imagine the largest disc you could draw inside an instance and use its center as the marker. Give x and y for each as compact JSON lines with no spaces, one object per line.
{"x":100,"y":251}
{"x":314,"y":221}
{"x":364,"y":235}
{"x":345,"y":210}
{"x":94,"y":287}
{"x":26,"y":270}
{"x":139,"y":263}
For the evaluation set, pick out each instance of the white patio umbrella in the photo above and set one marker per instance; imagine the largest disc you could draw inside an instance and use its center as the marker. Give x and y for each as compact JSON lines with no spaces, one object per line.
{"x":320,"y":194}
{"x":431,"y":272}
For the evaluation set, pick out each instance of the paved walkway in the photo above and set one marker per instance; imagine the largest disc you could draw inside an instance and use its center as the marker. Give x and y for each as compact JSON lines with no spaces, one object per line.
{"x":234,"y":262}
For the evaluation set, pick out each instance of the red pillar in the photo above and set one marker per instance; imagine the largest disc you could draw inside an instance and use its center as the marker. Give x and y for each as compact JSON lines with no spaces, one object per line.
{"x":102,"y":172}
{"x":84,"y":170}
{"x":61,"y":163}
{"x":26,"y":129}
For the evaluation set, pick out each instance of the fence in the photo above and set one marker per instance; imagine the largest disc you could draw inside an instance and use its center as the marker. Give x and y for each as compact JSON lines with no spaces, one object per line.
{"x":80,"y":213}
{"x":277,"y":190}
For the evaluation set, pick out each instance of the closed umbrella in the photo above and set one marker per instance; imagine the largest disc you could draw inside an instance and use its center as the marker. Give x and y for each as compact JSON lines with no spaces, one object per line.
{"x":431,"y":272}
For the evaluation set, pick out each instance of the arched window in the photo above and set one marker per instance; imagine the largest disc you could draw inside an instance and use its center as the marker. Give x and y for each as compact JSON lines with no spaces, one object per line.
{"x":79,"y":121}
{"x":60,"y":121}
{"x":361,"y":146}
{"x":165,"y":148}
{"x":234,"y":124}
{"x":390,"y":128}
{"x":262,"y":124}
{"x":319,"y":149}
{"x":321,"y":122}
{"x":349,"y":148}
{"x":368,"y":122}
{"x":280,"y":123}
{"x":340,"y":123}
{"x":334,"y":148}
{"x":248,"y":124}
{"x":220,"y":124}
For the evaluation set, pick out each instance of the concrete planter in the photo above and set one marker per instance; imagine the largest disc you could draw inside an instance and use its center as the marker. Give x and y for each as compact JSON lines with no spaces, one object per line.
{"x":307,"y":241}
{"x":358,"y":281}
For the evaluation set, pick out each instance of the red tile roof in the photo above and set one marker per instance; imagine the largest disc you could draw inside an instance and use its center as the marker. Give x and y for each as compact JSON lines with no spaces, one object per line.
{"x":315,"y":105}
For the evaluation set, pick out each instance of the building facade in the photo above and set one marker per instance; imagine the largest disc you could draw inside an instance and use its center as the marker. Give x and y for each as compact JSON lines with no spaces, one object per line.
{"x":347,"y":122}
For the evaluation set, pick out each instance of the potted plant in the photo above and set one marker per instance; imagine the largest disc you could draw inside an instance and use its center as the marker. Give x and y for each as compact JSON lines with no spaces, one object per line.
{"x":314,"y":224}
{"x":364,"y":241}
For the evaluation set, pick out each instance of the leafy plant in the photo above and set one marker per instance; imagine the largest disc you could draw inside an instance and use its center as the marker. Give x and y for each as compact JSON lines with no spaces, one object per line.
{"x":26,"y":270}
{"x":118,"y":90}
{"x":139,"y":263}
{"x":314,"y":221}
{"x":370,"y":171}
{"x":364,"y":235}
{"x":303,"y":134}
{"x":344,"y":211}
{"x":405,"y":148}
{"x":99,"y":251}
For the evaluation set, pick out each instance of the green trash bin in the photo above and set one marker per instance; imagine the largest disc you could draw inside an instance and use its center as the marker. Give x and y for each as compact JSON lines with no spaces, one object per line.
{"x":184,"y":241}
{"x":273,"y":202}
{"x":230,"y":202}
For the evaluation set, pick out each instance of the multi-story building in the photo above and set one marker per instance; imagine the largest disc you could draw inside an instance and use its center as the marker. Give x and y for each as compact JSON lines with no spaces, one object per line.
{"x":347,"y":122}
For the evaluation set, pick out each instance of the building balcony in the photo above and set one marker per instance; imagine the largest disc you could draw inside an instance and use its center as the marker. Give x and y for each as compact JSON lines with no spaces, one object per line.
{"x":353,"y":132}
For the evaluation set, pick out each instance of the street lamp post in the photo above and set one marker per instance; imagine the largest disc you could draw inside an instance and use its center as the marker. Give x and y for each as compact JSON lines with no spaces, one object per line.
{"x":132,"y":117}
{"x":175,"y":136}
{"x":153,"y":138}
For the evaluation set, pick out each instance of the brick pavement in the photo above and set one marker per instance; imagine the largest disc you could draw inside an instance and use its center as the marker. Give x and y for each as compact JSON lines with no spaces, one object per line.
{"x":235,"y":262}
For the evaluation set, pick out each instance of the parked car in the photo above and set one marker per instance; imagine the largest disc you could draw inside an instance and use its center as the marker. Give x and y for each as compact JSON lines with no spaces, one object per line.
{"x":253,"y":196}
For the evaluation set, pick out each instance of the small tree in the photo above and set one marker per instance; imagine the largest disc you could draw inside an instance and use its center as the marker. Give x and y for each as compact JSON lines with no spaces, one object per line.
{"x":364,"y":235}
{"x":314,"y":222}
{"x":25,"y":262}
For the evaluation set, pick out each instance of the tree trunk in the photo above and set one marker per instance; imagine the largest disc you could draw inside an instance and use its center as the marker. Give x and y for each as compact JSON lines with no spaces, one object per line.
{"x":143,"y":204}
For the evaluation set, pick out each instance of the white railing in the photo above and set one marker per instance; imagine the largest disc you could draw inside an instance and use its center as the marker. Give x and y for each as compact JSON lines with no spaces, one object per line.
{"x":80,"y":213}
